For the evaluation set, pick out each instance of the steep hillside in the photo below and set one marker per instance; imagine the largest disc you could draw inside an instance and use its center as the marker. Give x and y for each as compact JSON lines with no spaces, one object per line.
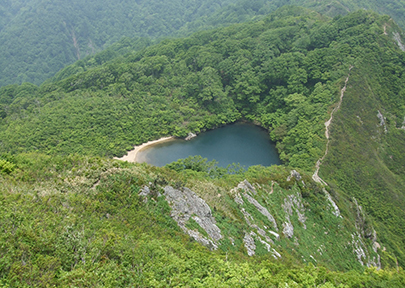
{"x":38,"y":37}
{"x":245,"y":10}
{"x":366,"y":155}
{"x":92,"y":222}
{"x":44,"y":36}
{"x":288,"y":72}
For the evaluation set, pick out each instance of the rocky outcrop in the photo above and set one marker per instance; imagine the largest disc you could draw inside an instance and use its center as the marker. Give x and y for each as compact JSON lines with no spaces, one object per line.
{"x":261,"y":209}
{"x":190,"y":136}
{"x":145,"y":191}
{"x":262,"y":231}
{"x":262,"y":234}
{"x":365,"y":230}
{"x":288,"y":229}
{"x":293,"y":203}
{"x":248,"y":191}
{"x":382,"y":121}
{"x":250,"y":243}
{"x":185,"y":205}
{"x":246,"y":186}
{"x":294,"y":174}
{"x":335,"y":208}
{"x":397,"y":38}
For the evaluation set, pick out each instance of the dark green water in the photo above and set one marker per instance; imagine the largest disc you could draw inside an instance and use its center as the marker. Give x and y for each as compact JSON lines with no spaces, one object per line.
{"x":241,"y":143}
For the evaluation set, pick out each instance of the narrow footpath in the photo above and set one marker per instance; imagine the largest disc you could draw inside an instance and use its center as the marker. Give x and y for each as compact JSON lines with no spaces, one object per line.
{"x":316,"y":177}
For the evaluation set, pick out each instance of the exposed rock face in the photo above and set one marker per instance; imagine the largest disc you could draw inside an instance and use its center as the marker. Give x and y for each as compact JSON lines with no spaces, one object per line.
{"x":293,"y":203}
{"x":275,"y":234}
{"x":288,"y":229}
{"x":246,"y":186}
{"x":190,"y":136}
{"x":250,"y":243}
{"x":382,"y":121}
{"x":294,"y":174}
{"x":336,"y":210}
{"x":186,"y":204}
{"x":359,"y":247}
{"x":239,"y":199}
{"x":288,"y":207}
{"x":145,"y":191}
{"x":262,"y":233}
{"x":261,"y":209}
{"x":397,"y":38}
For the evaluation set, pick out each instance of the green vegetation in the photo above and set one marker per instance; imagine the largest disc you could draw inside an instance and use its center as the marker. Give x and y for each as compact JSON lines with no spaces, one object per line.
{"x":38,"y":37}
{"x":284,"y":72}
{"x":71,"y":216}
{"x":78,"y":222}
{"x":274,"y":72}
{"x":365,"y":161}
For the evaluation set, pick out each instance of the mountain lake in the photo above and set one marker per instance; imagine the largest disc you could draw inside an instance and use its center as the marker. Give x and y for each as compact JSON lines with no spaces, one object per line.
{"x":242,"y":143}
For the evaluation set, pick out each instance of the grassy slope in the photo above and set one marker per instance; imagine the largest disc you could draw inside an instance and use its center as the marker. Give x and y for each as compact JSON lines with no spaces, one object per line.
{"x":354,"y":181}
{"x":76,"y":221}
{"x":364,"y":161}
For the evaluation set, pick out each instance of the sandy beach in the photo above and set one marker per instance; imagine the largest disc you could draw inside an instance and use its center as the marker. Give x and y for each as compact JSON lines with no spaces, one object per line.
{"x":131,"y":156}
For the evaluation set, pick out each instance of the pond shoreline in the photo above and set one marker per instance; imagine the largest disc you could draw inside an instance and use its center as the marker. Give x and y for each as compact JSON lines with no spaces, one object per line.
{"x":132,"y":155}
{"x":243,"y":143}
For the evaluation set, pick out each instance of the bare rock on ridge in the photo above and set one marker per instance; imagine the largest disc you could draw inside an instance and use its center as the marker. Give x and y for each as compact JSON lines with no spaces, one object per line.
{"x":185,"y":205}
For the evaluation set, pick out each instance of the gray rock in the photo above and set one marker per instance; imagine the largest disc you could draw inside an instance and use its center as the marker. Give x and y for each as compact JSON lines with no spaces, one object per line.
{"x":275,"y":234}
{"x":145,"y":191}
{"x":261,"y":209}
{"x":294,"y":201}
{"x":397,"y":38}
{"x":288,"y":229}
{"x":250,"y":243}
{"x":358,"y":249}
{"x":186,"y":204}
{"x":246,"y":186}
{"x":247,"y":217}
{"x":238,"y":199}
{"x":382,"y":120}
{"x":302,"y":218}
{"x":288,"y":206}
{"x":190,"y":136}
{"x":294,"y":174}
{"x":336,"y":210}
{"x":267,"y":245}
{"x":276,"y":254}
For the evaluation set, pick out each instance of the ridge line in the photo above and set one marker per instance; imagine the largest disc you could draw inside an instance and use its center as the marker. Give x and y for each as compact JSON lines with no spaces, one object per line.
{"x":315,"y":176}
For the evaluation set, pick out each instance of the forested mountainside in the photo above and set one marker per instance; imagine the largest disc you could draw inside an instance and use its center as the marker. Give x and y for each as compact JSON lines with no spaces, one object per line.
{"x":287,"y":73}
{"x":40,"y":37}
{"x":74,"y":215}
{"x":245,"y":10}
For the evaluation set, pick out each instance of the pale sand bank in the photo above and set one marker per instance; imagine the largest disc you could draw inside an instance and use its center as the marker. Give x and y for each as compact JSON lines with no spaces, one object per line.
{"x":132,"y":155}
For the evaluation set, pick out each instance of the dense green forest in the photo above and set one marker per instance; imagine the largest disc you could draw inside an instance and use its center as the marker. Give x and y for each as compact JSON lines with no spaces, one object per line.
{"x":71,"y":214}
{"x":284,"y":72}
{"x":39,"y":37}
